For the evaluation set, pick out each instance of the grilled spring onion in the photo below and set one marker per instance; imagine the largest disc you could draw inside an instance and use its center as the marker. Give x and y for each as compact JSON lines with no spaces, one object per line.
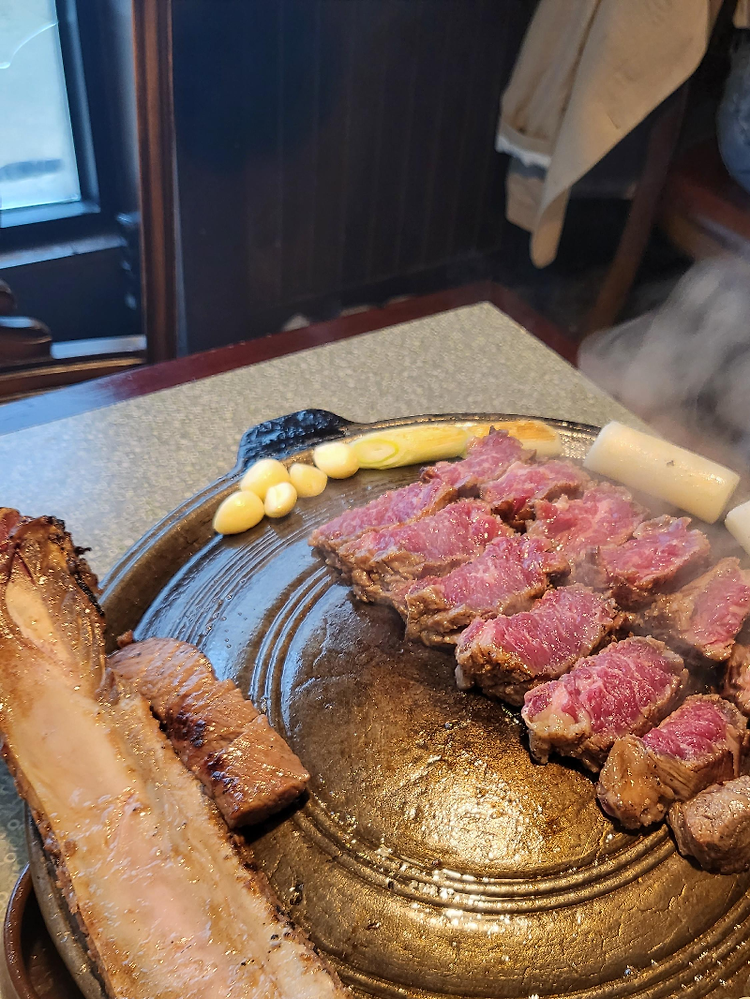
{"x":681,"y":477}
{"x":395,"y":446}
{"x":428,"y":442}
{"x":737,"y":522}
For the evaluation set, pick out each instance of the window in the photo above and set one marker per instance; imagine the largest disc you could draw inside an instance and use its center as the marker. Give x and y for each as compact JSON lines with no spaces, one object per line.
{"x":46,"y":164}
{"x":68,"y":164}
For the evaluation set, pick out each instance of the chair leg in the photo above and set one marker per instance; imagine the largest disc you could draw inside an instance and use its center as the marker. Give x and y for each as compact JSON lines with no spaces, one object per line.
{"x":621,"y":274}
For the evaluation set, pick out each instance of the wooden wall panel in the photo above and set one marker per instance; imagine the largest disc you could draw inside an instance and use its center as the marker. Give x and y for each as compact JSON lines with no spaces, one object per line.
{"x":325,"y":147}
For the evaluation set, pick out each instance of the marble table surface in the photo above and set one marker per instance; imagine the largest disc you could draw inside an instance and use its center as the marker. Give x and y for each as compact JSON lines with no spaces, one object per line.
{"x":111,"y":474}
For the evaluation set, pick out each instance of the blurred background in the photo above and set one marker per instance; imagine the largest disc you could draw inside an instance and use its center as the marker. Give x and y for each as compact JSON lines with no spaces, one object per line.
{"x":177,"y":176}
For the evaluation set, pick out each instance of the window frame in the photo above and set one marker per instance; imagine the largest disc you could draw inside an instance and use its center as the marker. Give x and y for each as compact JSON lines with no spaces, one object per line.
{"x":87,"y":89}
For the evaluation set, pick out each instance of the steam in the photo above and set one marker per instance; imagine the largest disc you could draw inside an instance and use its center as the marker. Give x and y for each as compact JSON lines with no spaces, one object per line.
{"x":685,"y":368}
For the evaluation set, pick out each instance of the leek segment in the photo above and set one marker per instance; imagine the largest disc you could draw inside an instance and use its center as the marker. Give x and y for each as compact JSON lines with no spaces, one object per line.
{"x":396,"y":446}
{"x":427,"y":442}
{"x":660,"y":468}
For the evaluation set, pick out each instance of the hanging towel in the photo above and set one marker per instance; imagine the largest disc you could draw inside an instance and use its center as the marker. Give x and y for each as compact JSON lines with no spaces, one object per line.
{"x":588,"y":72}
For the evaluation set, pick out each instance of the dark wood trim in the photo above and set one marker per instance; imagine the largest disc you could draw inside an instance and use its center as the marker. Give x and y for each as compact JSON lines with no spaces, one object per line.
{"x":46,"y":377}
{"x":128,"y":385}
{"x":152,"y":31}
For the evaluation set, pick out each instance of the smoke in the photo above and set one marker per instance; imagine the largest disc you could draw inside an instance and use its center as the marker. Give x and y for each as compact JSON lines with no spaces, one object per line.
{"x":685,"y":368}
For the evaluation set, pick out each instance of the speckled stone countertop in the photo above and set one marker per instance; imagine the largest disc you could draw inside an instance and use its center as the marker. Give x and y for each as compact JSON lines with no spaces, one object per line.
{"x":111,"y":474}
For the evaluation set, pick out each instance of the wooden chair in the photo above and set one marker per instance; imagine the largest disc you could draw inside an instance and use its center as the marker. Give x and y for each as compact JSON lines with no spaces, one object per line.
{"x":704,"y":212}
{"x":662,"y":141}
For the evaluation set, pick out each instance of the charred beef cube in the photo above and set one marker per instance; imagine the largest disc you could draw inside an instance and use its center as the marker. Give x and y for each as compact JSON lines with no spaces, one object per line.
{"x":706,"y":615}
{"x":659,"y":553}
{"x":604,"y":515}
{"x":246,"y":767}
{"x":487,"y":458}
{"x":504,"y":579}
{"x":507,"y":656}
{"x":736,"y":685}
{"x":398,"y":506}
{"x":253,"y":776}
{"x":512,"y":494}
{"x":698,"y":745}
{"x":629,"y":687}
{"x":376,"y":561}
{"x":714,"y":827}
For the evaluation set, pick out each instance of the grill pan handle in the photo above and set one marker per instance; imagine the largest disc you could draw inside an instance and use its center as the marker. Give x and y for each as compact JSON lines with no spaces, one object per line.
{"x":289,"y":433}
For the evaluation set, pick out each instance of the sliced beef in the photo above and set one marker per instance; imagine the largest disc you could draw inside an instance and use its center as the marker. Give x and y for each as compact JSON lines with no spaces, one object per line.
{"x":507,"y":656}
{"x":378,"y":560}
{"x":512,"y":494}
{"x":487,"y":458}
{"x":698,"y":745}
{"x":736,"y":685}
{"x":714,"y":827}
{"x":245,"y":765}
{"x":504,"y":579}
{"x":705,"y":615}
{"x":629,"y":687}
{"x":605,"y":514}
{"x":658,"y":556}
{"x":398,"y":506}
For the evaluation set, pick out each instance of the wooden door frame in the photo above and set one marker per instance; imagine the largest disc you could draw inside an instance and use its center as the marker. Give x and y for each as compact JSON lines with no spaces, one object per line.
{"x":152,"y":44}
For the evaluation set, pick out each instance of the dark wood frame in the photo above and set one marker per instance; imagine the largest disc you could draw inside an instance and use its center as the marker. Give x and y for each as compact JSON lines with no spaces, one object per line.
{"x":103,"y":392}
{"x":152,"y":31}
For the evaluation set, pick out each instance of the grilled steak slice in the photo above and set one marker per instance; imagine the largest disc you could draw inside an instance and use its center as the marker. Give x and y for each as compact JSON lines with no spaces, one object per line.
{"x":487,"y":458}
{"x":714,"y":827}
{"x":698,"y":745}
{"x":504,"y":579}
{"x":736,"y":685}
{"x":705,"y":615}
{"x":658,"y":554}
{"x":165,"y":903}
{"x":398,"y":506}
{"x":378,"y":560}
{"x":511,"y":495}
{"x":629,"y":687}
{"x":247,"y":768}
{"x":507,"y":656}
{"x":605,"y":514}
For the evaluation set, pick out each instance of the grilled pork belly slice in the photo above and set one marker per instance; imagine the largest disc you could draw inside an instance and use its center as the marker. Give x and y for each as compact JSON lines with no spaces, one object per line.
{"x":658,"y":554}
{"x":714,"y":827}
{"x":247,"y":768}
{"x":706,"y":615}
{"x":699,"y":744}
{"x":376,"y":561}
{"x":507,"y":656}
{"x":512,"y":494}
{"x":9,"y":520}
{"x":604,"y":515}
{"x":504,"y":579}
{"x":487,"y":458}
{"x":146,"y":865}
{"x":629,"y":687}
{"x":398,"y":506}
